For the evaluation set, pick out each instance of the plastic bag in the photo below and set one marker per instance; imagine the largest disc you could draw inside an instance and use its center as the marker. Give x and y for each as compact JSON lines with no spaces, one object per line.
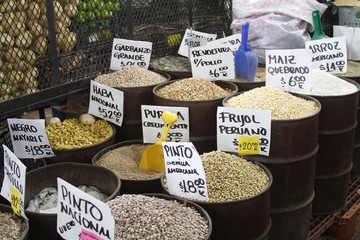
{"x":276,"y":24}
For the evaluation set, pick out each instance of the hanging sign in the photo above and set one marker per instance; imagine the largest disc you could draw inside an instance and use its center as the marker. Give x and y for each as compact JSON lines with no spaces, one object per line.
{"x":189,"y":41}
{"x":289,"y":70}
{"x":13,"y":185}
{"x":106,"y":103}
{"x":130,"y":53}
{"x":328,"y":54}
{"x":29,"y":138}
{"x":184,"y":171}
{"x":80,"y":214}
{"x":213,"y":62}
{"x":152,"y":124}
{"x":234,"y":41}
{"x":244,"y":131}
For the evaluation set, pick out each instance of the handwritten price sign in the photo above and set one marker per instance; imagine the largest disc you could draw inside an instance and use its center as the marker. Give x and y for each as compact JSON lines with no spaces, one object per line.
{"x":213,"y":62}
{"x":184,"y":171}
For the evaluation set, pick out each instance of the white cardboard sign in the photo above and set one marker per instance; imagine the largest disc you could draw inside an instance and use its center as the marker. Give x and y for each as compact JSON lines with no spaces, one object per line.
{"x":289,"y":69}
{"x":79,"y":214}
{"x":106,"y":103}
{"x":14,"y":180}
{"x":29,"y":138}
{"x":130,"y":53}
{"x":213,"y":62}
{"x":234,"y":40}
{"x":235,"y":122}
{"x":152,"y":124}
{"x":328,"y":54}
{"x":188,"y":40}
{"x":184,"y":171}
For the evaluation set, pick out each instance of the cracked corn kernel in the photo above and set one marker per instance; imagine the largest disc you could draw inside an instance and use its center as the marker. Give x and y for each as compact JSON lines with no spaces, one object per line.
{"x":193,"y":89}
{"x":283,"y":105}
{"x":71,"y":134}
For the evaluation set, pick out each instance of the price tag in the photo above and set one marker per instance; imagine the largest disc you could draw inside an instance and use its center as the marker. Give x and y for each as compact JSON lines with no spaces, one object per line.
{"x":106,"y":103}
{"x":249,"y":145}
{"x":247,"y":125}
{"x":212,"y":62}
{"x":80,"y":214}
{"x":130,"y":53}
{"x":152,"y":124}
{"x":234,"y":41}
{"x":29,"y":139}
{"x":15,"y":200}
{"x":13,"y":186}
{"x":289,"y":70}
{"x":184,"y":171}
{"x":328,"y":54}
{"x":191,"y":34}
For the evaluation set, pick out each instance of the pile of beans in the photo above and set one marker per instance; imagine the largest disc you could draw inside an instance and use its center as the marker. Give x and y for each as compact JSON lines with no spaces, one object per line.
{"x":193,"y":89}
{"x":145,"y":217}
{"x":124,"y":161}
{"x":11,"y":228}
{"x":230,"y":177}
{"x":132,"y":76}
{"x":283,"y":105}
{"x":72,"y":134}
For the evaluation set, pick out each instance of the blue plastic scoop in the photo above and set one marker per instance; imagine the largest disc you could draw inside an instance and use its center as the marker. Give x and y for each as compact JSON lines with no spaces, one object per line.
{"x":246,"y":61}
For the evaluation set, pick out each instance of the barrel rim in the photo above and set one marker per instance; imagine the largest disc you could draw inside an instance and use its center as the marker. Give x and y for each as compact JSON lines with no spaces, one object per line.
{"x":163,"y":73}
{"x":306,"y":97}
{"x":70,"y":165}
{"x":266,"y":189}
{"x":99,"y":154}
{"x":233,"y":86}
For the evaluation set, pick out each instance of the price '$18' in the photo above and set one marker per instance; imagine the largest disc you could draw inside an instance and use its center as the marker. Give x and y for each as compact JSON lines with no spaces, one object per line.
{"x":195,"y":186}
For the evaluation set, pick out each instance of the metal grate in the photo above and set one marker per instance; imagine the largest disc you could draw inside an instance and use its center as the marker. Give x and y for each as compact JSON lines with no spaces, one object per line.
{"x":70,"y":40}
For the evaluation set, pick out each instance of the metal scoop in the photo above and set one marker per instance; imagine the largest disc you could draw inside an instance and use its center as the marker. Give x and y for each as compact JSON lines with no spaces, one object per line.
{"x":153,"y":157}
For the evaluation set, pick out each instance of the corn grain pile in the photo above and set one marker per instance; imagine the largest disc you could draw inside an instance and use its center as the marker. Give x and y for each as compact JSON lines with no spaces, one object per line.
{"x":71,"y":133}
{"x":283,"y":105}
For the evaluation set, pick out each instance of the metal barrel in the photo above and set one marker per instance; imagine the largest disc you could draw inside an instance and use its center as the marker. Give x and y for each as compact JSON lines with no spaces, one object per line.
{"x":202,"y":115}
{"x":134,"y":97}
{"x":132,"y":186}
{"x":337,"y":125}
{"x":355,"y":171}
{"x":292,"y":161}
{"x":44,"y":225}
{"x":247,"y":218}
